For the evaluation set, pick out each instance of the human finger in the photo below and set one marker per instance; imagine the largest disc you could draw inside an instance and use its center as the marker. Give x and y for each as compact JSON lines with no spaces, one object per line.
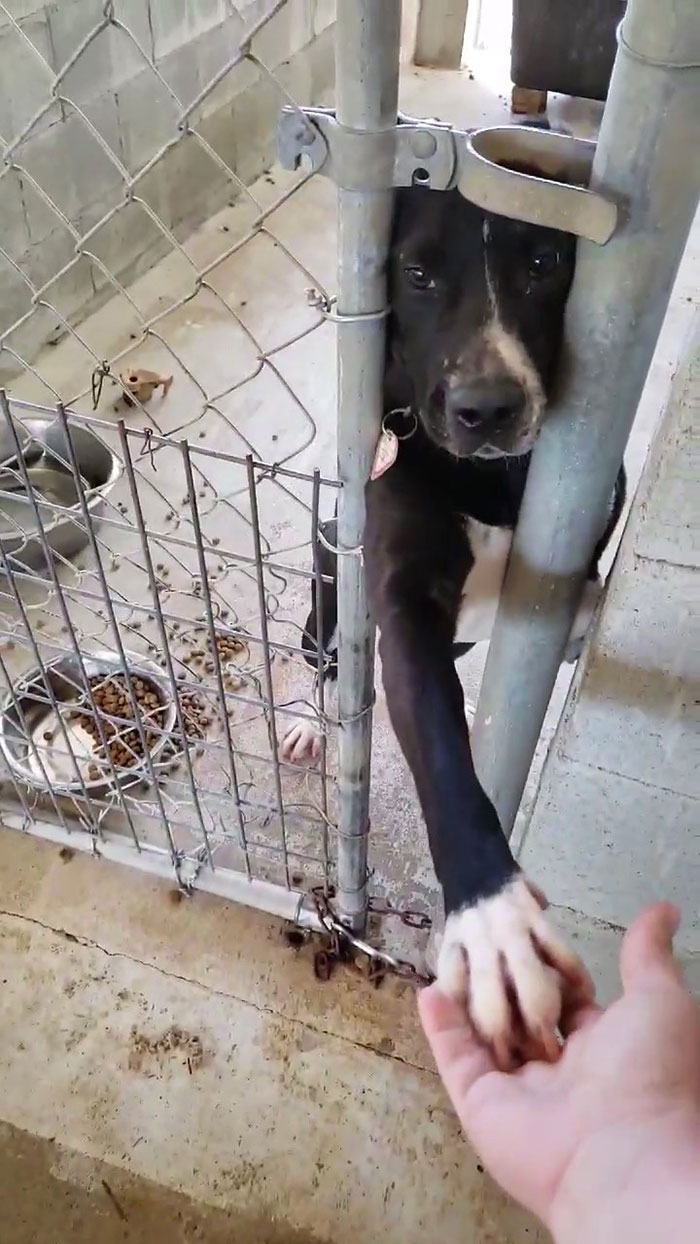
{"x":460,"y":1058}
{"x":647,"y":956}
{"x":578,"y":1018}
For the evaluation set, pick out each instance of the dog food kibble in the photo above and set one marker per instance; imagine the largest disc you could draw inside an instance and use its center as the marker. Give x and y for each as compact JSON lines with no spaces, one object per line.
{"x":229,"y":647}
{"x":194,"y":715}
{"x":113,"y":738}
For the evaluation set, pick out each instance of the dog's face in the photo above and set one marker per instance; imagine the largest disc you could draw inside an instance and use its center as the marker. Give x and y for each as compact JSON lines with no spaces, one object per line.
{"x":477,"y":317}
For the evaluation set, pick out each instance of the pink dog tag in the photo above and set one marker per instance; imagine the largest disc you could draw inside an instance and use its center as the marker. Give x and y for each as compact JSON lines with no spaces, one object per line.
{"x":385,"y":453}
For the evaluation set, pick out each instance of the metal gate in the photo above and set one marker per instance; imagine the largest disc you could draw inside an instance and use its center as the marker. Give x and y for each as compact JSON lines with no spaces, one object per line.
{"x":158,"y":559}
{"x":160,"y":507}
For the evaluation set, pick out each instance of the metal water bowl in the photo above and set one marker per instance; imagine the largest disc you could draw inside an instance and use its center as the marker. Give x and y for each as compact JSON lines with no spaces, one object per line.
{"x":53,"y":485}
{"x":31,"y":716}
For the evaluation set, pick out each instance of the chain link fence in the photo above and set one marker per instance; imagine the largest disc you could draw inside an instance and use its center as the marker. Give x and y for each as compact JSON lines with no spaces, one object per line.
{"x":163,"y":474}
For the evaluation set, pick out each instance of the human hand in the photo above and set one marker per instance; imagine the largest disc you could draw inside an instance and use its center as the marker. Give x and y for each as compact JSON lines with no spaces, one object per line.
{"x":614,"y":1120}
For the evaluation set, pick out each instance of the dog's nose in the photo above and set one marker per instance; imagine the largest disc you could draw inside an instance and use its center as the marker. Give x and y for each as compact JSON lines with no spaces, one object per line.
{"x":480,"y":400}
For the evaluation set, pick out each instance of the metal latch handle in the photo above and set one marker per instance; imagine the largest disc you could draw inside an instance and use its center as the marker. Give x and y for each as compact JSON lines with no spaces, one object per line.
{"x":484,"y":179}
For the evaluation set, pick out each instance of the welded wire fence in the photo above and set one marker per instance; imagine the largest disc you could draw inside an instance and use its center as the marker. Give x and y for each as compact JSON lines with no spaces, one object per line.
{"x":145,"y":679}
{"x":160,"y":491}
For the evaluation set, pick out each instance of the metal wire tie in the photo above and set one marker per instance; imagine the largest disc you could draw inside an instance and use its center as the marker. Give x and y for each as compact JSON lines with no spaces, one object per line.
{"x":324,"y":304}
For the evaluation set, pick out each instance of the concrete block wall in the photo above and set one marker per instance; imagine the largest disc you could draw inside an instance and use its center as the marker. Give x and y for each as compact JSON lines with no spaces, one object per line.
{"x":115,"y":114}
{"x":616,"y":822}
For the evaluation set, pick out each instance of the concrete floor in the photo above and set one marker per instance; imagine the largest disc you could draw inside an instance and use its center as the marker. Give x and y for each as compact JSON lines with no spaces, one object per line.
{"x":201,"y":1085}
{"x":312,"y":1112}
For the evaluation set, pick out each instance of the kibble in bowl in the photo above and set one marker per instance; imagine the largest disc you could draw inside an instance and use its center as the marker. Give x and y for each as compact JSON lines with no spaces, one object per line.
{"x":75,"y":734}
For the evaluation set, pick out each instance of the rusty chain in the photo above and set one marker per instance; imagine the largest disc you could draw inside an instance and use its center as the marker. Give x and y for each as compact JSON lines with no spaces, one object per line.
{"x":343,"y":944}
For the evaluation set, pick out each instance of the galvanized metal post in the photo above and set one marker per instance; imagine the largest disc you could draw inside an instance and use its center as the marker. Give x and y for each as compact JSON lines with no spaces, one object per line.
{"x":367,"y":73}
{"x":647,"y":160}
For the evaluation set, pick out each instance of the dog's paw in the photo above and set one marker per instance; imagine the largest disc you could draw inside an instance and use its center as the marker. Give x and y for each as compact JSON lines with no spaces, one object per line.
{"x":301,"y":744}
{"x":503,"y":956}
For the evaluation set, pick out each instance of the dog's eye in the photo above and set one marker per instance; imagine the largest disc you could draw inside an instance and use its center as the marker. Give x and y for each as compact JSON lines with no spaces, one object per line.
{"x":419,"y":278}
{"x":543,"y":263}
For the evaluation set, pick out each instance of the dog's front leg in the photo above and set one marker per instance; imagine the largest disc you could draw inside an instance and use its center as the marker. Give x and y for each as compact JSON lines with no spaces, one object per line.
{"x":498,"y":951}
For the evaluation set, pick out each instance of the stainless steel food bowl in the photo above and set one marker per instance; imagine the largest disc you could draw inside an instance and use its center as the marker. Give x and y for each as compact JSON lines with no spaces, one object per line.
{"x":54,"y":490}
{"x":47,"y":461}
{"x":8,"y":446}
{"x":29,"y":724}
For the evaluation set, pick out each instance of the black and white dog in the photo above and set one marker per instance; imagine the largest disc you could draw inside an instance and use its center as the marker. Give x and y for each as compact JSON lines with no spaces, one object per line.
{"x":474,"y":341}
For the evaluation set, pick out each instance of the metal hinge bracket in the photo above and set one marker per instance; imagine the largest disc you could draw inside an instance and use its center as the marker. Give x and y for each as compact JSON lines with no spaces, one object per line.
{"x":479,"y":163}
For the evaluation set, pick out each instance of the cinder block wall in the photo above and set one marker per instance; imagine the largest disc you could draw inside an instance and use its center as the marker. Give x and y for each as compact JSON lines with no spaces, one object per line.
{"x":616,"y":822}
{"x":114,"y":102}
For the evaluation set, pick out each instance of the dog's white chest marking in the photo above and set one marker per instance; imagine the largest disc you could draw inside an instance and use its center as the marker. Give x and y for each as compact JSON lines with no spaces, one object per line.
{"x":490,"y":547}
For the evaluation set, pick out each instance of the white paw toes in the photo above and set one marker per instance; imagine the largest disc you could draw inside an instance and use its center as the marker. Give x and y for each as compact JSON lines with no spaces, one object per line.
{"x":301,"y":744}
{"x":504,"y":957}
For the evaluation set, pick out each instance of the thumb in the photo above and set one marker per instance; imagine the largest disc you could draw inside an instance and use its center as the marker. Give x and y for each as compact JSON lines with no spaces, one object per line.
{"x":646,"y":957}
{"x":460,"y":1059}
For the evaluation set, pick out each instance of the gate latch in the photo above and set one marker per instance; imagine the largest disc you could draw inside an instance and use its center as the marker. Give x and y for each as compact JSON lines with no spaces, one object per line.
{"x":485,"y":165}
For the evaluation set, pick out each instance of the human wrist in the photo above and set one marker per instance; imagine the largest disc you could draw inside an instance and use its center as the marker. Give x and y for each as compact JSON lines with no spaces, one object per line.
{"x":632,"y":1182}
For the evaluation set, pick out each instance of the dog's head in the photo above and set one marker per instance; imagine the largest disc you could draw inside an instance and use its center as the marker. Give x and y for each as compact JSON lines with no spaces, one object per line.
{"x":477,"y":317}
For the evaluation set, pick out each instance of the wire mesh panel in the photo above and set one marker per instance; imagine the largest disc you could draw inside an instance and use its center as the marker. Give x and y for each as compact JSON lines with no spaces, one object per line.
{"x":149,"y":675}
{"x":158,"y":539}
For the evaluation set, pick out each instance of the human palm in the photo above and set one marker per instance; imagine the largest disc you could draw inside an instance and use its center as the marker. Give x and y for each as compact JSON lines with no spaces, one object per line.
{"x":628,"y":1078}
